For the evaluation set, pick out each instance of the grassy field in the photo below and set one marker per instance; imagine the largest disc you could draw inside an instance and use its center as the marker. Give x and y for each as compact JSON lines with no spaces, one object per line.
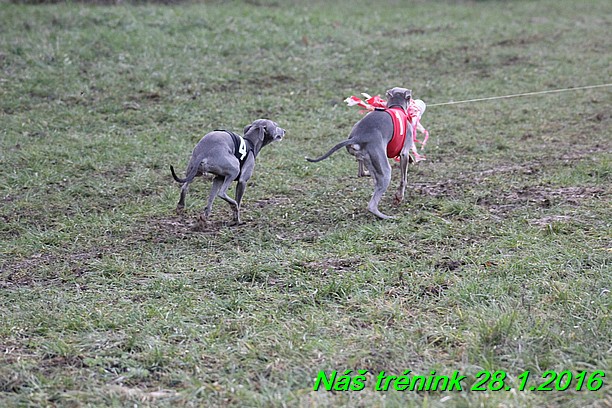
{"x":498,"y":260}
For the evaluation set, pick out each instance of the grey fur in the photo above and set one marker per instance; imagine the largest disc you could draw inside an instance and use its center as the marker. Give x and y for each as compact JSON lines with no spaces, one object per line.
{"x":368,"y":143}
{"x":214,"y":154}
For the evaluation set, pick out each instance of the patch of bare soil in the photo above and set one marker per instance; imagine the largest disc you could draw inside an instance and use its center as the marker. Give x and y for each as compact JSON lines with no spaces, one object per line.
{"x":542,"y":222}
{"x":502,"y":202}
{"x":435,"y":290}
{"x":140,"y":394}
{"x":456,"y":187}
{"x":157,"y":230}
{"x":54,"y":362}
{"x":540,"y":196}
{"x":272,"y":201}
{"x":446,"y":188}
{"x":23,"y":272}
{"x":450,"y":264}
{"x":511,"y":197}
{"x":333,"y":265}
{"x":519,"y":41}
{"x":167,"y":229}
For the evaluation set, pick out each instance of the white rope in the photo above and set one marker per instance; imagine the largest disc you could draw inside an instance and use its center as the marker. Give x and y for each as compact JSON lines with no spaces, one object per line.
{"x":520,"y":94}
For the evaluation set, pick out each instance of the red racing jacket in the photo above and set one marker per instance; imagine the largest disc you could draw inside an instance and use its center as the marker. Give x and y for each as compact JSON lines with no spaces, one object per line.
{"x":400,"y":126}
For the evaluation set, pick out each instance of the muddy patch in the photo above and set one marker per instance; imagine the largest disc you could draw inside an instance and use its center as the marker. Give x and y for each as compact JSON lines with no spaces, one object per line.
{"x":272,"y":201}
{"x":24,"y":272}
{"x":520,"y":41}
{"x":546,"y":221}
{"x":324,"y":266}
{"x":538,"y":196}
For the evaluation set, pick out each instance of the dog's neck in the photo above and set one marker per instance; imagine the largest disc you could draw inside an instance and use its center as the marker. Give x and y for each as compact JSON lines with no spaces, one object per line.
{"x":255,"y":143}
{"x":399,"y":104}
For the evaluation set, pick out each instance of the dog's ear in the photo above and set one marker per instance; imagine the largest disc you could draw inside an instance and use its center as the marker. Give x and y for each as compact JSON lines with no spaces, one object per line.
{"x":408,"y":94}
{"x":258,"y":127}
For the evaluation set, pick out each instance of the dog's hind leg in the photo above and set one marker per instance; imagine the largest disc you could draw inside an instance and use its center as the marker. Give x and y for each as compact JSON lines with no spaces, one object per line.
{"x":399,"y":194}
{"x":356,"y":150}
{"x":381,"y":170}
{"x":404,"y":161}
{"x":362,"y":171}
{"x":245,"y":174}
{"x":223,"y":195}
{"x":240,"y":189}
{"x":180,"y":206}
{"x":214,"y":190}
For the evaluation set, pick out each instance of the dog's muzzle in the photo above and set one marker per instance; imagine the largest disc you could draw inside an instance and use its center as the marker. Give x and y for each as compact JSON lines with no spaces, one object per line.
{"x":279,"y":134}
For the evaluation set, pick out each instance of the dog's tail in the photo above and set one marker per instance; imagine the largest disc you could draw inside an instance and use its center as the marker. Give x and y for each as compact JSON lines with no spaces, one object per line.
{"x":332,"y":150}
{"x":192,"y":171}
{"x":179,"y":180}
{"x":192,"y":168}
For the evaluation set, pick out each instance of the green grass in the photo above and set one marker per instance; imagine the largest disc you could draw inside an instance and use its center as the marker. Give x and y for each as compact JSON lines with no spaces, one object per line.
{"x":499,"y":258}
